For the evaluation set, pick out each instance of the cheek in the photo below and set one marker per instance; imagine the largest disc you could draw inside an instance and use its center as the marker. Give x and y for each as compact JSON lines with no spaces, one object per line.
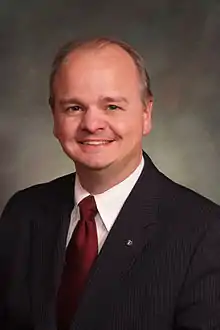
{"x":132,"y":126}
{"x":127,"y":125}
{"x":64,"y":128}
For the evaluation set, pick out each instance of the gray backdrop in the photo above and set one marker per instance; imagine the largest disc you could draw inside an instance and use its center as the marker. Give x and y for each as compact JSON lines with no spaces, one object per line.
{"x":180,"y":41}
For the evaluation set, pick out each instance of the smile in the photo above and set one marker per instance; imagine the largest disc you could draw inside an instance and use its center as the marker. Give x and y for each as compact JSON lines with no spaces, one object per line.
{"x":96,"y":143}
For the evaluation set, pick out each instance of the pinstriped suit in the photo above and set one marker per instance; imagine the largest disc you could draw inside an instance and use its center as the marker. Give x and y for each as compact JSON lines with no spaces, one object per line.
{"x":169,"y":278}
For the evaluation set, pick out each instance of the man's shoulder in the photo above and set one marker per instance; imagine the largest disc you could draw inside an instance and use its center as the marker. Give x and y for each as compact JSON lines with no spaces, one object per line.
{"x":174,"y":195}
{"x":50,"y":187}
{"x":43,"y":193}
{"x":186,"y":202}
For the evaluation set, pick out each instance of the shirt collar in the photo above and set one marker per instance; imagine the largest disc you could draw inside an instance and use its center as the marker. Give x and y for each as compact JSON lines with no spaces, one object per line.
{"x":111,"y":201}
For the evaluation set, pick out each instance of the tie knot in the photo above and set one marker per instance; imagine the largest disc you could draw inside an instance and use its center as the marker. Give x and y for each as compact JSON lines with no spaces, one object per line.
{"x":87,"y":208}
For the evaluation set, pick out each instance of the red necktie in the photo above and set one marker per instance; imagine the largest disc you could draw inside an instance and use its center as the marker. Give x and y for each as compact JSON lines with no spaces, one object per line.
{"x":80,"y":255}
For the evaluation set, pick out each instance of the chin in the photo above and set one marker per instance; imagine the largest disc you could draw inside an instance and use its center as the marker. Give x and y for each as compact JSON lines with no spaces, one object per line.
{"x":92,"y":165}
{"x":93,"y":162}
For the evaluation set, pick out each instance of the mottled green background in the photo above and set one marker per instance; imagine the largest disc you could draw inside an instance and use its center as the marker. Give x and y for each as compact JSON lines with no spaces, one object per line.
{"x":180,"y":41}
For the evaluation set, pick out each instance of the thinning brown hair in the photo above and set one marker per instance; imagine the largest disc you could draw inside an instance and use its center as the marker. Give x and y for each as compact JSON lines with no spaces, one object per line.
{"x":101,"y":42}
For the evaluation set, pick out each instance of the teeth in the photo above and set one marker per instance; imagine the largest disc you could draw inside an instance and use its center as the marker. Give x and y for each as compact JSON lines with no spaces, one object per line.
{"x":95,"y":143}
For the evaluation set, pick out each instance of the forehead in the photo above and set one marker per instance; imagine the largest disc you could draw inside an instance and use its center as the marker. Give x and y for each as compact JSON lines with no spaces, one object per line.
{"x":103,"y":58}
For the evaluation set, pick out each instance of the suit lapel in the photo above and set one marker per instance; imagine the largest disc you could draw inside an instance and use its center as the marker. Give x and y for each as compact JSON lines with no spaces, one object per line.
{"x":49,"y":230}
{"x":127,"y":238}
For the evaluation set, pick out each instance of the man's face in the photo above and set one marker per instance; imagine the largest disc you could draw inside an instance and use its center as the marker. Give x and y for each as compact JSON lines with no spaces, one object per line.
{"x":99,"y":117}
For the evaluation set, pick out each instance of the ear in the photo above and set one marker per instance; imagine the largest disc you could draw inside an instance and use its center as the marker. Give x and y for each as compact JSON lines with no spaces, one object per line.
{"x":147,"y":116}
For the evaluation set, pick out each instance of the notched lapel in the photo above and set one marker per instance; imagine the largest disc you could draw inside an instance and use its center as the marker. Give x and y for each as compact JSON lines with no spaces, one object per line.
{"x":130,"y":233}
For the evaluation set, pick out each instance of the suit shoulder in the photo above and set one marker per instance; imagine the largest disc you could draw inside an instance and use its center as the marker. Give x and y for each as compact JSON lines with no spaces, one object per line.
{"x":57,"y":183}
{"x":175,"y":195}
{"x":187,"y":202}
{"x":41,"y":193}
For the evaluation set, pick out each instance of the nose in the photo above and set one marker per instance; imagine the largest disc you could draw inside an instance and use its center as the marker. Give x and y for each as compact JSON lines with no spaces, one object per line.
{"x":93,"y":120}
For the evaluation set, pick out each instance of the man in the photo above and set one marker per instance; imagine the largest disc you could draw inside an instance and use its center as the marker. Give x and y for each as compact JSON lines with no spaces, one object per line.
{"x":116,"y":246}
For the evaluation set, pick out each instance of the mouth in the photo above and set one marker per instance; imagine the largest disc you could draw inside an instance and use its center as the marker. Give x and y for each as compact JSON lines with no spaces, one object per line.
{"x":96,"y":142}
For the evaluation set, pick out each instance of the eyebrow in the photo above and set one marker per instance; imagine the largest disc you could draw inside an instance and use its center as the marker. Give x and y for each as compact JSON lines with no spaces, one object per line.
{"x":107,"y":99}
{"x":70,"y":101}
{"x":113,"y":99}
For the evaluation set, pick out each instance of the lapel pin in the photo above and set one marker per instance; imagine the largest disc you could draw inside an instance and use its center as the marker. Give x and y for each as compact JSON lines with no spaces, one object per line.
{"x":129,"y":242}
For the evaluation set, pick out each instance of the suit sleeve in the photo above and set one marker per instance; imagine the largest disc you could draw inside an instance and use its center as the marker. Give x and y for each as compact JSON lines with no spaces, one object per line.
{"x":199,"y":301}
{"x":13,"y":246}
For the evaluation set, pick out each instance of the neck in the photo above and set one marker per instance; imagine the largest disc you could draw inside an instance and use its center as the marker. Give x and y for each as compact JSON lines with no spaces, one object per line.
{"x":99,"y":181}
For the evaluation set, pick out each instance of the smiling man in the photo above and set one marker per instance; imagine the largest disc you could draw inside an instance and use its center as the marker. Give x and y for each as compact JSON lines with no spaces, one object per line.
{"x":98,"y":118}
{"x":116,"y":245}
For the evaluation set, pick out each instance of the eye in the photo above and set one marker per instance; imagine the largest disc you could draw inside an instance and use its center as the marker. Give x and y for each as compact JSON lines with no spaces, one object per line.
{"x":113,"y":107}
{"x":74,"y":108}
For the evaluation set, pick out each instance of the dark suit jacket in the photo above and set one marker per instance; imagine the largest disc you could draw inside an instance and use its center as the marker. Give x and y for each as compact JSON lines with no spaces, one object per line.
{"x":169,"y":278}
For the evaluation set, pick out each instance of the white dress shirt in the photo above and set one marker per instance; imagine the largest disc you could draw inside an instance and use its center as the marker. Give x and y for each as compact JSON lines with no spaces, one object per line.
{"x":108,"y":204}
